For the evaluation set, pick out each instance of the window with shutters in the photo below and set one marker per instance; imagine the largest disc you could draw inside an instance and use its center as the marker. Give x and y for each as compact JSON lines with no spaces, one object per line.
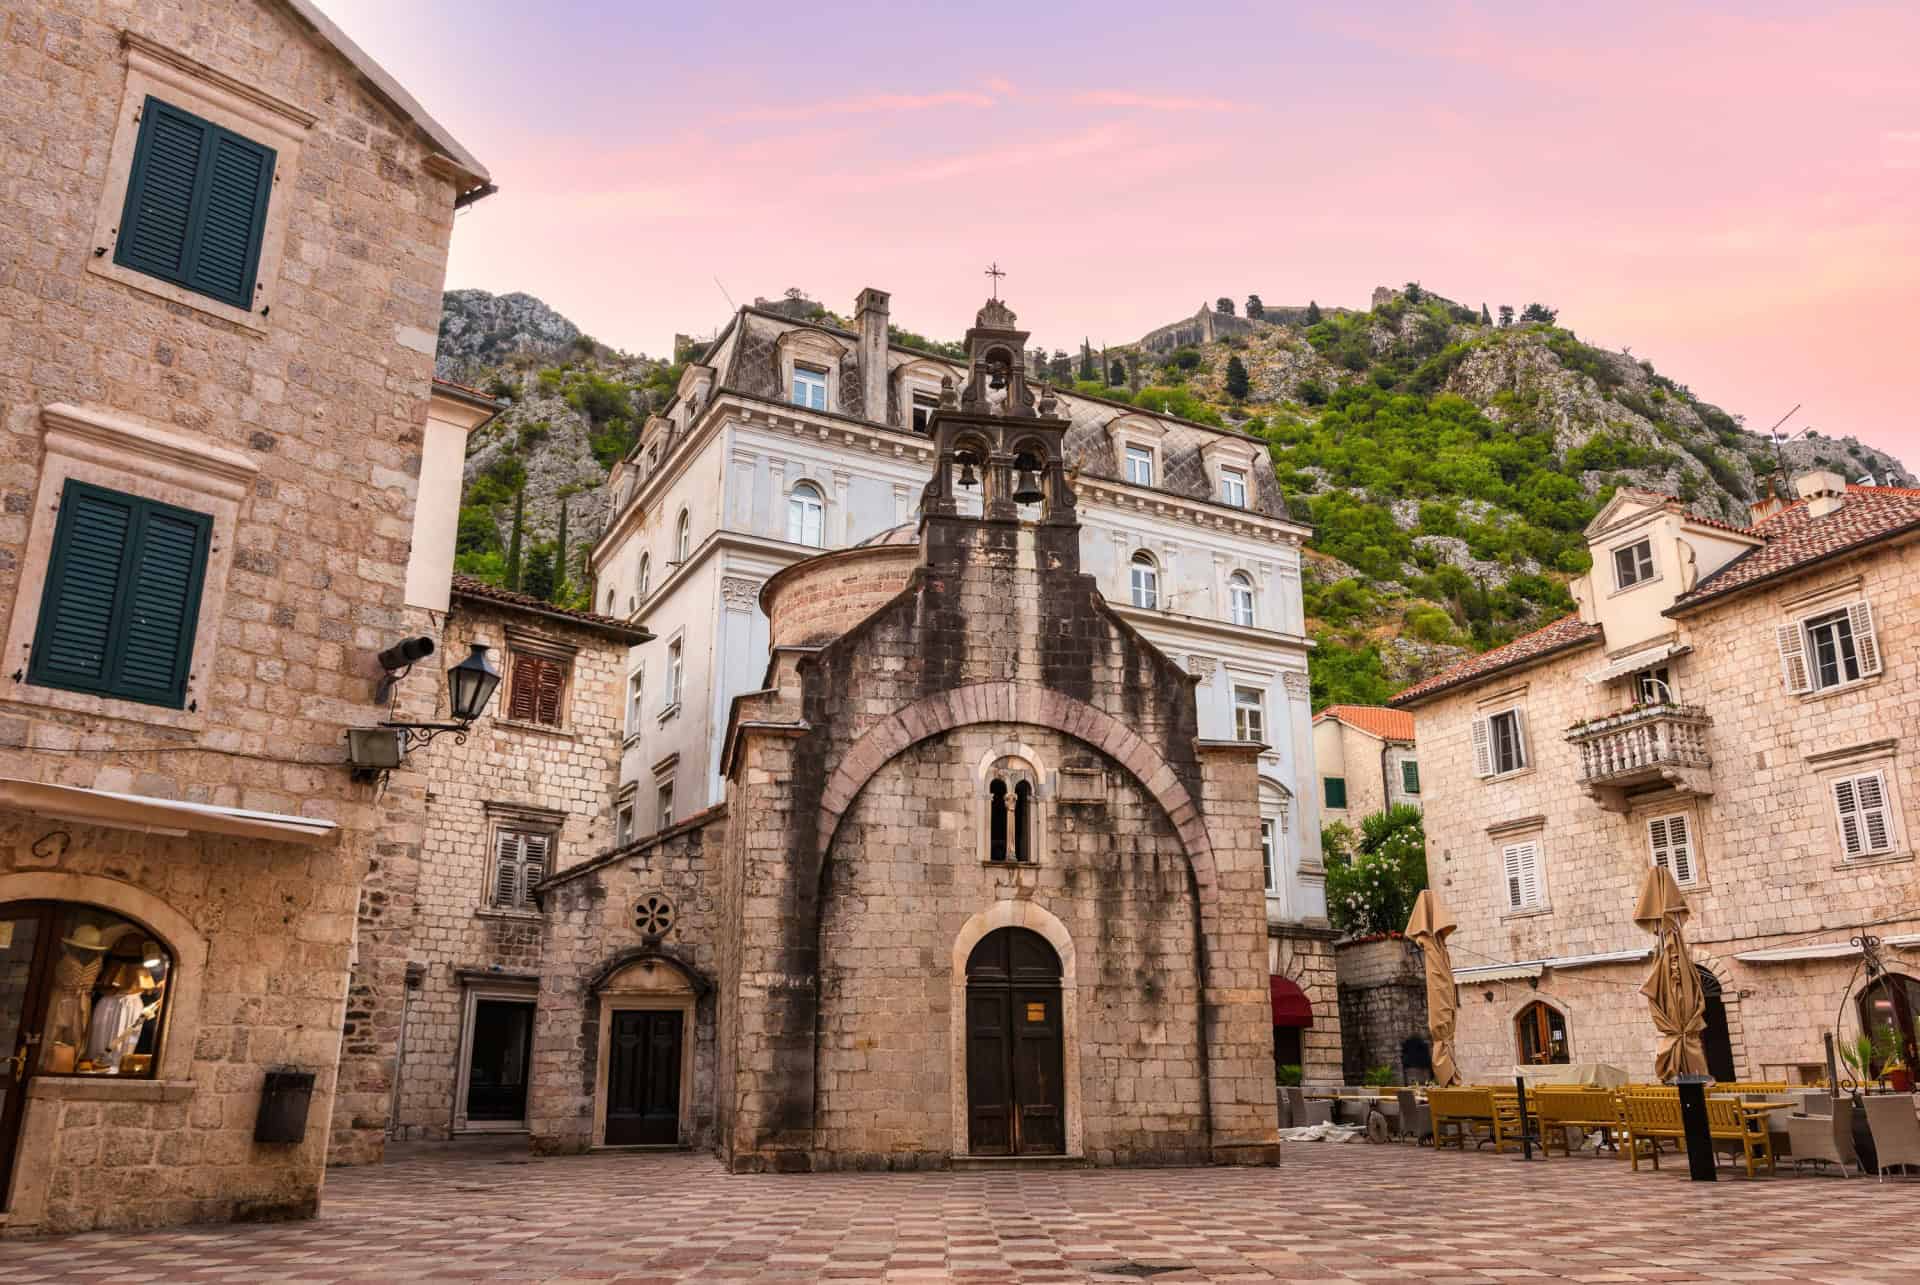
{"x":1829,"y":650}
{"x":1336,"y":787}
{"x":1409,"y":776}
{"x":537,"y":689}
{"x":122,"y":598}
{"x":1524,"y":887}
{"x":196,"y":205}
{"x":1499,"y":743}
{"x":1670,"y":842}
{"x":1865,"y":815}
{"x":521,"y":859}
{"x":676,"y":674}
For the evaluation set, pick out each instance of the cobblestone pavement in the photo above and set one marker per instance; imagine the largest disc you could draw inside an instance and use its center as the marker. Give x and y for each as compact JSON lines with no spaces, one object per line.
{"x":1329,"y":1213}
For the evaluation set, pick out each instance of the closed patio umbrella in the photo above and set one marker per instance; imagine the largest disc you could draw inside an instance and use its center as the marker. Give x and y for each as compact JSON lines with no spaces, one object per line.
{"x":1674,"y":997}
{"x":1428,"y":929}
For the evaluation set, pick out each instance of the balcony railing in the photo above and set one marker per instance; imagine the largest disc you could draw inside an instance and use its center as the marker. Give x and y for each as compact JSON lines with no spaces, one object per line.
{"x":1641,"y":743}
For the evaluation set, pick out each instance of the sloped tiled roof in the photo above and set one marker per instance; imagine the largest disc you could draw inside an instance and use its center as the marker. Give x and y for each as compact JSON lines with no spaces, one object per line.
{"x":1564,"y":634}
{"x":1374,"y":720}
{"x":1795,"y":540}
{"x":611,"y":626}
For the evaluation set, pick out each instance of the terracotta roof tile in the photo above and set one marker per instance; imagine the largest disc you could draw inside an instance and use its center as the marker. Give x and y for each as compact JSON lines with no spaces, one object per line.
{"x":1564,"y":634}
{"x":1794,"y":540}
{"x":1374,"y":720}
{"x":480,"y":590}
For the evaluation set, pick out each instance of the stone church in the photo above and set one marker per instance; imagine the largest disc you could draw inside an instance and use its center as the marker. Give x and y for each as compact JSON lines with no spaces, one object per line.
{"x":977,"y":888}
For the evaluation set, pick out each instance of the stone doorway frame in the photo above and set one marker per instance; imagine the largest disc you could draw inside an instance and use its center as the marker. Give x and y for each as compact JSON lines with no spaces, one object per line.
{"x":1034,"y":918}
{"x":508,"y":988}
{"x":650,"y":984}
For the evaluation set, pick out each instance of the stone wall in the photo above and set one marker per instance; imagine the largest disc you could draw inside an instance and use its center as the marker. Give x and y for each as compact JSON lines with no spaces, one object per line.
{"x":1770,"y":869}
{"x":1383,"y":1000}
{"x":321,"y":403}
{"x":426,"y":905}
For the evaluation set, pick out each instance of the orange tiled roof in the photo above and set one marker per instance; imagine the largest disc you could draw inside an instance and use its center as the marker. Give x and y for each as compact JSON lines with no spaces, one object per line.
{"x":1564,"y":634}
{"x":1374,"y":720}
{"x":1794,"y":540}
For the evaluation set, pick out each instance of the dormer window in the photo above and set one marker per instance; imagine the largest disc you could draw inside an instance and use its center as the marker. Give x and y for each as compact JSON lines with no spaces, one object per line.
{"x":924,"y":405}
{"x":1140,"y":465}
{"x":1233,"y":488}
{"x":1633,"y":564}
{"x":809,"y":387}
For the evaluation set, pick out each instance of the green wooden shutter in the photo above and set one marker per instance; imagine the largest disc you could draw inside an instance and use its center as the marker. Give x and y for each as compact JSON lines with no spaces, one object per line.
{"x":122,"y":597}
{"x":196,"y":208}
{"x":1336,"y":792}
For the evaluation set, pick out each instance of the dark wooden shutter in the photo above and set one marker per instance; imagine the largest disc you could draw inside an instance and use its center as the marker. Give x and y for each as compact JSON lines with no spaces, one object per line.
{"x":196,"y":209}
{"x":523,"y":698}
{"x":553,"y":681}
{"x":533,"y":864}
{"x":122,"y":598}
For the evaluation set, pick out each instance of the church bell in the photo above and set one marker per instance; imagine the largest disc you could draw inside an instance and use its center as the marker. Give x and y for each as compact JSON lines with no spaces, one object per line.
{"x":1027,"y":489}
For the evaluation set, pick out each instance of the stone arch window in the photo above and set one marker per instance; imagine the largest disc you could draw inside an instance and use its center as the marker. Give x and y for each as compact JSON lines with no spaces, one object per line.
{"x":683,"y":537}
{"x":1143,"y":580}
{"x":1240,"y":598}
{"x":1541,"y":1035}
{"x":806,"y":516}
{"x":1013,"y":802}
{"x":89,"y":989}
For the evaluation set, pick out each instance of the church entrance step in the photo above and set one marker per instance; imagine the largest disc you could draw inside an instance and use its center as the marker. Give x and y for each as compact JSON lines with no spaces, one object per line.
{"x":968,"y":1164}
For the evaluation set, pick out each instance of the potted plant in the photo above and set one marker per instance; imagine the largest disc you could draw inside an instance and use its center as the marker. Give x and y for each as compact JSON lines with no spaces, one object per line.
{"x":1888,"y":1055}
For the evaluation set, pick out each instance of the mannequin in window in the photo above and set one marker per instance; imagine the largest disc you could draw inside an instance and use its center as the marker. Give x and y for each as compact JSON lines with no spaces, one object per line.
{"x":74,"y":975}
{"x":129,"y":998}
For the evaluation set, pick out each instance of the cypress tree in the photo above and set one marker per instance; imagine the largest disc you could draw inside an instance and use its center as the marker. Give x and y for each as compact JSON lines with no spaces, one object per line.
{"x":1086,"y":360}
{"x":513,"y":541}
{"x":1313,"y":313}
{"x":1237,"y":384}
{"x":560,"y":557}
{"x":1486,"y":318}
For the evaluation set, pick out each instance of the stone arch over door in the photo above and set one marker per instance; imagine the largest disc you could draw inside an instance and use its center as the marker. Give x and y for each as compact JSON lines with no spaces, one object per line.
{"x":1730,"y":1005}
{"x":645,"y":981}
{"x":1567,"y":1014}
{"x":1034,"y":918}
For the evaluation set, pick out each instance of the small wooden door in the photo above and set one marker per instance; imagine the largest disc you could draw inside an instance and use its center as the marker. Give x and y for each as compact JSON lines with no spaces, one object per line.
{"x":643,"y":1078}
{"x":24,"y":931}
{"x":1016,"y":1091}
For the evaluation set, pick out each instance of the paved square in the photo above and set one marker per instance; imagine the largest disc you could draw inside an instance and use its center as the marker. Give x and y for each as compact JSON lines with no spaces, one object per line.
{"x":1329,"y":1213}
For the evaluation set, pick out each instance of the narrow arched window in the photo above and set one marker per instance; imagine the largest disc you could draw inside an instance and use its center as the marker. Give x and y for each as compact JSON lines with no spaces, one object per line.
{"x":683,"y":540}
{"x":997,"y":820}
{"x":1023,"y":821}
{"x":1240,"y":598}
{"x":1145,"y":580}
{"x":646,"y":574}
{"x":806,"y":516}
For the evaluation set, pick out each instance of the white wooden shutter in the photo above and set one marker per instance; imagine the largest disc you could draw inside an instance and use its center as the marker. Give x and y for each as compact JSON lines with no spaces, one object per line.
{"x":1866,"y":825}
{"x":533,"y":865}
{"x":1865,"y":645}
{"x":1672,"y":846}
{"x":1793,"y":657}
{"x":1520,"y":740}
{"x":1482,"y":748}
{"x":506,"y":871}
{"x":1522,"y":862}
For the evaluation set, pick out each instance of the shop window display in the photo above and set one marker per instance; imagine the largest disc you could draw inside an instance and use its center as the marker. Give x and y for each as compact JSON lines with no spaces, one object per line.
{"x":101,"y":989}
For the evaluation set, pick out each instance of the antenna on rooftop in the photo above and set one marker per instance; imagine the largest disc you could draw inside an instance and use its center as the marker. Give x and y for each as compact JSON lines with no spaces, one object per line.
{"x":724,"y":295}
{"x":1779,"y":438}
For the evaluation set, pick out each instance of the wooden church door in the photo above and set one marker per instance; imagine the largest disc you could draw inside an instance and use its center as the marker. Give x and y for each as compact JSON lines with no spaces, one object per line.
{"x":1016,"y":1091}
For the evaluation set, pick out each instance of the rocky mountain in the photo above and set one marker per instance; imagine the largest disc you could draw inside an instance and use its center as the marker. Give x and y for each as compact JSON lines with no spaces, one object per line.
{"x":1446,"y":460}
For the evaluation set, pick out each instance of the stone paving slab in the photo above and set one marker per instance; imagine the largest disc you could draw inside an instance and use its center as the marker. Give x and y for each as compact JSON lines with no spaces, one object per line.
{"x":1381,"y":1215}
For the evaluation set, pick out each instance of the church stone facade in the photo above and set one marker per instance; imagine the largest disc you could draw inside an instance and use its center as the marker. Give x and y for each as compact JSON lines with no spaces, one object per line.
{"x":977,"y":888}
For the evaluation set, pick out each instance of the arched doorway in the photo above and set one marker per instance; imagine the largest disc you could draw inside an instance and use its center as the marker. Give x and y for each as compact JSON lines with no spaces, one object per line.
{"x":1887,"y":1011}
{"x":1016,"y":1083}
{"x":1715,"y":1038}
{"x":1540,"y":1035}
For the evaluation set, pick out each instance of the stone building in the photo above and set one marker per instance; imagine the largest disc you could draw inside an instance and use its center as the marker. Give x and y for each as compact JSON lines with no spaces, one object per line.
{"x":1365,"y":758}
{"x":225,"y":231}
{"x":1738,"y":704}
{"x":788,"y":438}
{"x":1383,"y":1002}
{"x":441,"y":1045}
{"x":979,"y":884}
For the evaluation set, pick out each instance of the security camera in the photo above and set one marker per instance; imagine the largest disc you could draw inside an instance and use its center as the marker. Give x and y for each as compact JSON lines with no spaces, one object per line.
{"x":404,"y":653}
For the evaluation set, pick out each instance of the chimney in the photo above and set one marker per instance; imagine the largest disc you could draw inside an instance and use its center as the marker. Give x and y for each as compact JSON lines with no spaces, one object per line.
{"x":870,"y":314}
{"x":1824,"y":492}
{"x":1770,"y":502}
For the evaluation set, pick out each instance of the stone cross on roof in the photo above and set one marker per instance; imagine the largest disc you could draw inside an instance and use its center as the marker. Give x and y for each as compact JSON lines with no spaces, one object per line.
{"x":993,"y":270}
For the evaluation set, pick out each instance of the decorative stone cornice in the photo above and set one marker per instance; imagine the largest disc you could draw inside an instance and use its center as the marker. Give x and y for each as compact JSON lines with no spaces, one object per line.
{"x":170,"y":65}
{"x":122,"y":442}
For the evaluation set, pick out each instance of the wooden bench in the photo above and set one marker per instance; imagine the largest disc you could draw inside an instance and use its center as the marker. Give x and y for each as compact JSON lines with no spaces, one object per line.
{"x":1653,"y":1116}
{"x":1560,"y":1108}
{"x":1459,"y":1113}
{"x":1748,"y":1088}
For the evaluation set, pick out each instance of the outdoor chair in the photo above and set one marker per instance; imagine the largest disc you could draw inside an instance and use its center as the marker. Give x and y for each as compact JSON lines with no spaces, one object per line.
{"x":1896,"y":1131}
{"x":1822,"y":1139}
{"x":1816,"y":1102}
{"x":1416,"y":1117}
{"x":1304,"y":1113}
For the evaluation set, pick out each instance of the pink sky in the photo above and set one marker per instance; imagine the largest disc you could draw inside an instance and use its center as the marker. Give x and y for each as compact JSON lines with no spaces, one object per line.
{"x":1730,"y":193}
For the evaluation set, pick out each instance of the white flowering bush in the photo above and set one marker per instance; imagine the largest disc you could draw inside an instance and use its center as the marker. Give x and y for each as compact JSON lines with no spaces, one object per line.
{"x":1372,"y":878}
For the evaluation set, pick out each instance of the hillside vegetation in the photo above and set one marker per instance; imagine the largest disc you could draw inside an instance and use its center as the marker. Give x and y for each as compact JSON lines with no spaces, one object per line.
{"x":1447,"y":461}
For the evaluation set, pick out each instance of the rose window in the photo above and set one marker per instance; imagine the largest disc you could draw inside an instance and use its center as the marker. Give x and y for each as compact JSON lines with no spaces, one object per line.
{"x":653,"y":916}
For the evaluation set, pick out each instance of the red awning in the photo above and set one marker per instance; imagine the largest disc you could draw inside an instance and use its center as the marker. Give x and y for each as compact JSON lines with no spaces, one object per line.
{"x":1291,"y":1007}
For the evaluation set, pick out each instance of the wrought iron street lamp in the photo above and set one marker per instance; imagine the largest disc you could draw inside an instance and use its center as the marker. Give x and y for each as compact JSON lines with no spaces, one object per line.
{"x":375,"y":751}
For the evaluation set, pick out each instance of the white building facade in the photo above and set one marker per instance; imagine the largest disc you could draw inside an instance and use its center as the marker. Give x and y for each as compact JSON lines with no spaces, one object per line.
{"x":789,"y":439}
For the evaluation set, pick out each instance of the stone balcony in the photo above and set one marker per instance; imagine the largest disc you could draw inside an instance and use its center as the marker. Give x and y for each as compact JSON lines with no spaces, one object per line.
{"x":1646,"y":747}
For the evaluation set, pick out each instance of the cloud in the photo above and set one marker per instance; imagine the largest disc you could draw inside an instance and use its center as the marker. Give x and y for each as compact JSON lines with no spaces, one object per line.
{"x":867,"y":105}
{"x":1154,"y":102}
